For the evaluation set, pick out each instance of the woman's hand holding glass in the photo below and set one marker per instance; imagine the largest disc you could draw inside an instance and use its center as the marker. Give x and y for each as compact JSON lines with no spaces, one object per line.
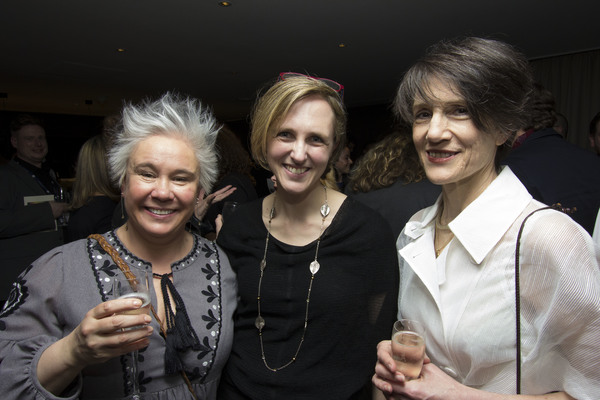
{"x":431,"y":383}
{"x":111,"y":329}
{"x":102,"y":335}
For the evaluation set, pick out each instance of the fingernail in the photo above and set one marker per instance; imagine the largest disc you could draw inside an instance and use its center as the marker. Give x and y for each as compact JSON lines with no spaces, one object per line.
{"x":147,"y":319}
{"x":137,"y":302}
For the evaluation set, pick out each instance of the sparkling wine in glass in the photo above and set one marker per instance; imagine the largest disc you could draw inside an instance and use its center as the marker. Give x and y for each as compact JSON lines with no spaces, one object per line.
{"x":408,"y":347}
{"x":134,"y":285}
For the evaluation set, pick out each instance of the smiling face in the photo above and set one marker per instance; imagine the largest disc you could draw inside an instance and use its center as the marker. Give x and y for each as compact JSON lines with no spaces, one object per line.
{"x":453,"y":151}
{"x":300,"y":147}
{"x":31,"y":145}
{"x":161,"y":187}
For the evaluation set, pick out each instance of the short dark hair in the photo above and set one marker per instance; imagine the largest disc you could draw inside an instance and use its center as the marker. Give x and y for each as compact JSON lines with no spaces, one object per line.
{"x":22,"y":120}
{"x":494,"y":79}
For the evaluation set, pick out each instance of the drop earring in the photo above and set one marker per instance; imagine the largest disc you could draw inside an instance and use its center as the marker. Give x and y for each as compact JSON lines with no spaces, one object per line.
{"x":122,"y":207}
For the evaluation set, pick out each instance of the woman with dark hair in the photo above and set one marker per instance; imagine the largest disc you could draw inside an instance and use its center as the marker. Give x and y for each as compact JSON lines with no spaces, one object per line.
{"x":508,"y":291}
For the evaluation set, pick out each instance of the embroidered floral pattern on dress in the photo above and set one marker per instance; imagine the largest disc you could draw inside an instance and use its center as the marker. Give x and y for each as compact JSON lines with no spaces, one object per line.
{"x":16,"y":297}
{"x":105,"y":269}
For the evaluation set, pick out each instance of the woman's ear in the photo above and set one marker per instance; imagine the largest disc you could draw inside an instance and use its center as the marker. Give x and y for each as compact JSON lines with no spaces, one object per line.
{"x":502,"y":138}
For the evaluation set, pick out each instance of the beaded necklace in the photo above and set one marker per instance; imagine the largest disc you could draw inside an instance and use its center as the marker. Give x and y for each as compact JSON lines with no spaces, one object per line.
{"x":313,"y":268}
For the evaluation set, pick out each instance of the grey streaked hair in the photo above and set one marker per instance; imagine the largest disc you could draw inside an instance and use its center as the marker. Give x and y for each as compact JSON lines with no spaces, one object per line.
{"x":494,"y":79}
{"x":174,"y":116}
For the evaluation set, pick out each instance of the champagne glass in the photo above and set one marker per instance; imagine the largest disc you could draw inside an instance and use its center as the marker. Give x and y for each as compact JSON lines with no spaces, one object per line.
{"x":408,"y":347}
{"x":229,"y":208}
{"x":134,"y":285}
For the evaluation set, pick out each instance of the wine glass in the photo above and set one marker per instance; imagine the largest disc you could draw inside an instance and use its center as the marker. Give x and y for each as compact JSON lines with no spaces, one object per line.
{"x":134,"y":285}
{"x":408,"y":347}
{"x":229,"y":208}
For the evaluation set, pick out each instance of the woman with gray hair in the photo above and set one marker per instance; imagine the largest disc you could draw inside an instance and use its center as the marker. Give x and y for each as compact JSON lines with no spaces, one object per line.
{"x":508,"y":290}
{"x":63,"y":334}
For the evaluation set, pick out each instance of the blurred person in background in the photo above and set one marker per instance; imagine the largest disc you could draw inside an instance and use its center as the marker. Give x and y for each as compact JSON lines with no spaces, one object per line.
{"x":29,"y":202}
{"x":94,"y":196}
{"x":390,"y":179}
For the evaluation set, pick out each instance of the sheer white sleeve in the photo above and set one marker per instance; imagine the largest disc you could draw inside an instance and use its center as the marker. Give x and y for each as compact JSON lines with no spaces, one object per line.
{"x":560,"y":307}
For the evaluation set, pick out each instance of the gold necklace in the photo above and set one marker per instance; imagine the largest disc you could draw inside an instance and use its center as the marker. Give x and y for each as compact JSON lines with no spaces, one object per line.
{"x":440,"y":227}
{"x":313,"y":268}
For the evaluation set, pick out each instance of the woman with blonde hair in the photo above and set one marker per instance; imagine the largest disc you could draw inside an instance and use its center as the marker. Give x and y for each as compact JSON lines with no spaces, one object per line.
{"x":94,"y":196}
{"x":316,"y":270}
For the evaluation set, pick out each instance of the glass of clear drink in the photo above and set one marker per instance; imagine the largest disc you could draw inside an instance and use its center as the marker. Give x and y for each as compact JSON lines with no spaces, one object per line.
{"x":134,"y":285}
{"x":408,"y":347}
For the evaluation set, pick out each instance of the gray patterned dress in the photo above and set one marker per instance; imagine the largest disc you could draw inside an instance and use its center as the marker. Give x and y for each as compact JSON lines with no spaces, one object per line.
{"x":52,"y":296}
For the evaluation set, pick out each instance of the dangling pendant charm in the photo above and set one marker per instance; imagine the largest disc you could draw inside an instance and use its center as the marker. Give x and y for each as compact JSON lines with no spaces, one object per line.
{"x":325,"y":210}
{"x":263,"y":265}
{"x":314,"y":267}
{"x":259,"y":323}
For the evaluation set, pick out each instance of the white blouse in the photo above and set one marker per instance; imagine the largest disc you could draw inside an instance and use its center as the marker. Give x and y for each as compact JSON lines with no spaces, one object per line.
{"x":467,"y":303}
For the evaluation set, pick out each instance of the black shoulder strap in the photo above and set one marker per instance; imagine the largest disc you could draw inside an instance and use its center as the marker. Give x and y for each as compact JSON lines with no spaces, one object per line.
{"x":558,"y":207}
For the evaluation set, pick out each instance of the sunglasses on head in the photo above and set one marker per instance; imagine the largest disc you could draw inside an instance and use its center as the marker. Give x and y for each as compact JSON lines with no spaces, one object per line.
{"x":338,"y":87}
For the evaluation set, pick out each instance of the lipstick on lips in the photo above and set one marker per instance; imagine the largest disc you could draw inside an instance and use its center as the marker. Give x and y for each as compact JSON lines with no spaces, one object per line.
{"x":439,"y":156}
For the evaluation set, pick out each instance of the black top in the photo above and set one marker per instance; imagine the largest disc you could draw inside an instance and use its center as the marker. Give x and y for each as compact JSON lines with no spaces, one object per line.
{"x":45,"y":176}
{"x":93,"y":217}
{"x":352,"y":306}
{"x":245,"y":192}
{"x":400,"y":201}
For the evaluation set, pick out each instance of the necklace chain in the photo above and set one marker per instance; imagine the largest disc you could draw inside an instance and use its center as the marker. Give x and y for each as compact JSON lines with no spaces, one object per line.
{"x":440,"y":227}
{"x":313,"y":268}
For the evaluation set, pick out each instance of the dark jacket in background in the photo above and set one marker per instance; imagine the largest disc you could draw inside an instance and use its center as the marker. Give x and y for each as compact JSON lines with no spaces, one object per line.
{"x":400,"y":201}
{"x":26,"y":232}
{"x":556,"y":171}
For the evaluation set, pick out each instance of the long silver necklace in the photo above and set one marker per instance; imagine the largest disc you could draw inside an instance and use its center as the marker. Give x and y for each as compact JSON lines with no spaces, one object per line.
{"x":313,"y":268}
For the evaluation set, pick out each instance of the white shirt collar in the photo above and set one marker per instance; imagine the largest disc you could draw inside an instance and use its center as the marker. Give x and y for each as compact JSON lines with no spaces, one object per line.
{"x":498,"y":206}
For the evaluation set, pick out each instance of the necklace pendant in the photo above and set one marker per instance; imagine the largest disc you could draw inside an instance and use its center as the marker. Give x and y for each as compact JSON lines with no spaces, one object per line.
{"x":263,"y":264}
{"x":314,"y":267}
{"x":325,"y":210}
{"x":259,"y":323}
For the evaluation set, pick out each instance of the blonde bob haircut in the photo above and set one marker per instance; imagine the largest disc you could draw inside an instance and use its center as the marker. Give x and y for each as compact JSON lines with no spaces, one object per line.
{"x":171,"y":116}
{"x":91,"y":173}
{"x":273,"y":106}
